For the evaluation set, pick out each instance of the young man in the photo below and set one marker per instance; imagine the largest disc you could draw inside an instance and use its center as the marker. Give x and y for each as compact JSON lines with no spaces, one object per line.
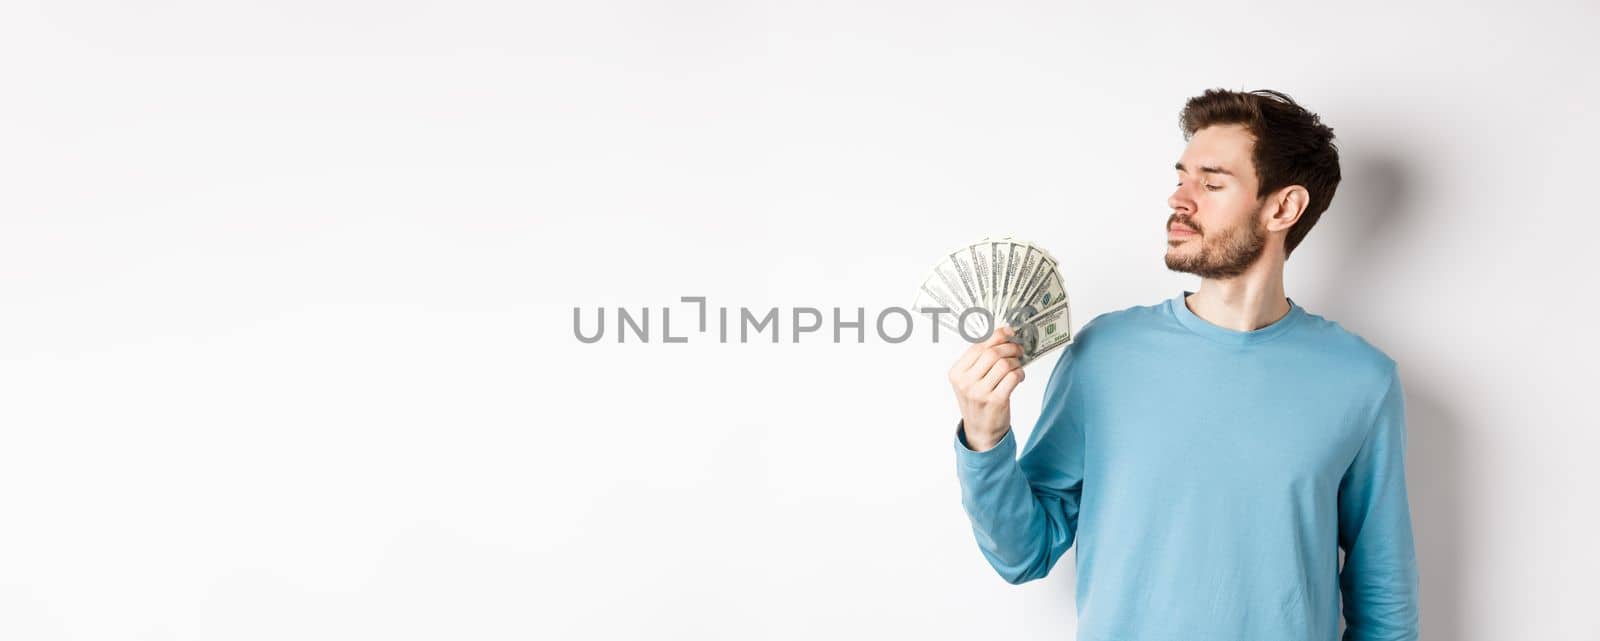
{"x":1213,"y":453}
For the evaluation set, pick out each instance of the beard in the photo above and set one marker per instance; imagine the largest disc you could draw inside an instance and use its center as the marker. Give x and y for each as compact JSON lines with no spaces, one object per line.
{"x":1225,"y":254}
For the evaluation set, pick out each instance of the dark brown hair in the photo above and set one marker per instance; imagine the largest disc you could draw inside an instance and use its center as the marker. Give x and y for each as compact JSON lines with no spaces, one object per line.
{"x":1292,"y":146}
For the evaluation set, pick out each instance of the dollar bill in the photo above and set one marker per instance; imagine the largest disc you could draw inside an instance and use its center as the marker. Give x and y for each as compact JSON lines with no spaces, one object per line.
{"x":961,"y":263}
{"x":1051,"y":289}
{"x":982,"y":255}
{"x":999,"y":279}
{"x":1043,"y":331}
{"x":1029,"y":263}
{"x":932,"y":297}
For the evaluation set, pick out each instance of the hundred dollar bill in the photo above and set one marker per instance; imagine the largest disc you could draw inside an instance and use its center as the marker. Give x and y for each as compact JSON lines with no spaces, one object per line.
{"x":1026,"y":278}
{"x":1002,"y":282}
{"x":961,"y":263}
{"x":998,"y":279}
{"x":982,"y":256}
{"x":1043,"y":331}
{"x":997,"y":269}
{"x":934,"y":295}
{"x":943,"y":288}
{"x":1028,"y":259}
{"x":1049,"y":292}
{"x":1000,"y":250}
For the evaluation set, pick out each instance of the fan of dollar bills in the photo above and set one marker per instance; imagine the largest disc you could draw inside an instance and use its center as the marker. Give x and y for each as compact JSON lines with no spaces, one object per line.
{"x":1000,"y":280}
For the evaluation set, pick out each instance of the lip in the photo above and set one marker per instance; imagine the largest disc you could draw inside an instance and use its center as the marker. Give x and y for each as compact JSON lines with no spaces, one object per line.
{"x":1180,"y":230}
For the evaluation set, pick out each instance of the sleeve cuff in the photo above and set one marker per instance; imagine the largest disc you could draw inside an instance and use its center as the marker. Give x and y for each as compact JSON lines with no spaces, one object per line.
{"x":1005,"y":450}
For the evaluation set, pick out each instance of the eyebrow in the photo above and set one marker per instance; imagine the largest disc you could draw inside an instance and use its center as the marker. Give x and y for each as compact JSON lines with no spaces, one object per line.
{"x":1207,"y":169}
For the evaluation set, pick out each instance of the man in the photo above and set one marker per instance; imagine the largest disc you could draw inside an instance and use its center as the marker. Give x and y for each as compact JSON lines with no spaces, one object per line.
{"x":1213,"y":453}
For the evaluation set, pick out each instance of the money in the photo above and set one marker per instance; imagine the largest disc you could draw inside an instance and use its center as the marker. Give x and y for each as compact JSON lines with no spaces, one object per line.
{"x":1042,"y":332}
{"x":1000,"y":280}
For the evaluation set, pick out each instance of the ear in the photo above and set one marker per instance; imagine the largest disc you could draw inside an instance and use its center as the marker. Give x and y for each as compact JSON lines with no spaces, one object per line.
{"x":1285,"y":206}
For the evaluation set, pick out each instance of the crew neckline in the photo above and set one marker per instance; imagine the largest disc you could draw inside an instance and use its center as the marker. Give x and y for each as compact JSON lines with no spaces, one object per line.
{"x":1224,"y":335}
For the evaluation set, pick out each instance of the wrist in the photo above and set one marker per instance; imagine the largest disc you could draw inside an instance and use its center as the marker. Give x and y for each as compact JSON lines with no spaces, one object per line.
{"x":979,"y":440}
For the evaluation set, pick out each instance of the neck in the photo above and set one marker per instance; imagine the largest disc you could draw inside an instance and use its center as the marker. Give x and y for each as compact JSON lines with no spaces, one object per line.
{"x":1246,"y":302}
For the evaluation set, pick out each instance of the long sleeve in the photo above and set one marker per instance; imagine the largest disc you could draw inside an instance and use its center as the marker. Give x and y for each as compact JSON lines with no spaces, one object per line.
{"x":1025,"y":513}
{"x":1379,"y":581}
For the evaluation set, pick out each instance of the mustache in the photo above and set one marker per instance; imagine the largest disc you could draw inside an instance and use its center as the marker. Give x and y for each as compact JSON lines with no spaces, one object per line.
{"x":1184,"y":221}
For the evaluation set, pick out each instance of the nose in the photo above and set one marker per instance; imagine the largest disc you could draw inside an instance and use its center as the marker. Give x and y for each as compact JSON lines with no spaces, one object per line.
{"x":1180,"y":202}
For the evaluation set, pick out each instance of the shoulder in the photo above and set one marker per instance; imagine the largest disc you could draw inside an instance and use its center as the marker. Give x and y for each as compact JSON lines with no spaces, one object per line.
{"x":1107,"y":335}
{"x":1348,"y":349}
{"x":1354,"y":366}
{"x":1121,"y":324}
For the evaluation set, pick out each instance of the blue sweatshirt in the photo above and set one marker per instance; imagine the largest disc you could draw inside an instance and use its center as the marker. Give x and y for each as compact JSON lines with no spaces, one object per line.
{"x":1211,"y":478}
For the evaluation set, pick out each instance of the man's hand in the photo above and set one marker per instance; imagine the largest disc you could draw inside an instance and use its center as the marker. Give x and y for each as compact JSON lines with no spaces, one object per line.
{"x":983,"y":379}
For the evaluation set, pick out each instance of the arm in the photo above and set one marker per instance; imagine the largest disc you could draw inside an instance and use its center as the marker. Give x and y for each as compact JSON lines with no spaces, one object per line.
{"x":1379,"y":582}
{"x":1025,"y":513}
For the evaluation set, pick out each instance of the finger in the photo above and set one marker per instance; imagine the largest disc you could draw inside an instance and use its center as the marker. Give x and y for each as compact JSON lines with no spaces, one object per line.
{"x":991,"y":379}
{"x":1009,"y":382}
{"x":972,"y":352}
{"x":980,"y":367}
{"x":970,"y":356}
{"x":999,"y":335}
{"x":1006,"y":350}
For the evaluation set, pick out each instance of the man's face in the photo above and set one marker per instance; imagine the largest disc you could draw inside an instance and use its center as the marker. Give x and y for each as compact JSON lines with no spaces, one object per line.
{"x":1215,"y":230}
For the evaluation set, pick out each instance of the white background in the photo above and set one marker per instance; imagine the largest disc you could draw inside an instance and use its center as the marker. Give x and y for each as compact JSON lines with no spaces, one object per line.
{"x":286,"y":295}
